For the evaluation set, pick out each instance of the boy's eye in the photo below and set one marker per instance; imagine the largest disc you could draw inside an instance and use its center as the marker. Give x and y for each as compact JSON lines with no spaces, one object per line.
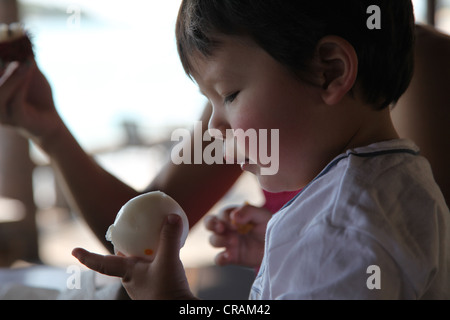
{"x":231,"y":97}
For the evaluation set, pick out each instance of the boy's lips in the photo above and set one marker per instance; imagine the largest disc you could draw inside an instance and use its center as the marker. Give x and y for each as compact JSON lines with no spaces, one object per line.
{"x":231,"y":152}
{"x":247,"y":165}
{"x":245,"y":162}
{"x":235,"y":160}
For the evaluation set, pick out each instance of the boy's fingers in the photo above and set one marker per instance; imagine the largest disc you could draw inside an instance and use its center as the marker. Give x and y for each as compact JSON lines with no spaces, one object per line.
{"x":221,"y":259}
{"x":225,"y":258}
{"x":215,"y":225}
{"x":122,"y":267}
{"x":218,"y":241}
{"x":110,"y":265}
{"x":218,"y":224}
{"x":169,"y":247}
{"x":210,"y":222}
{"x":250,"y":214}
{"x":224,"y":215}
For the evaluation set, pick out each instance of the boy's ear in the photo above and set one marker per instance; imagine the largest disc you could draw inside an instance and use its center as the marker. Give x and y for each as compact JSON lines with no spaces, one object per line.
{"x":338,"y":67}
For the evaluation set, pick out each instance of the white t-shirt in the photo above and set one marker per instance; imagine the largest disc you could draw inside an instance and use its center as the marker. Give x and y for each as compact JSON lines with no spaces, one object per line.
{"x":372,"y":225}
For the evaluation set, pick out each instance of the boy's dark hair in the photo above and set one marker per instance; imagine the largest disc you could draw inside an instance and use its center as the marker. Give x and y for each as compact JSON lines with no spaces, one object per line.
{"x":289,"y":31}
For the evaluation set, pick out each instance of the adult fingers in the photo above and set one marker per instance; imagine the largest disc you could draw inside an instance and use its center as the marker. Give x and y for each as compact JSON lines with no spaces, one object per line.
{"x":8,"y":71}
{"x":14,"y":78}
{"x":15,"y":73}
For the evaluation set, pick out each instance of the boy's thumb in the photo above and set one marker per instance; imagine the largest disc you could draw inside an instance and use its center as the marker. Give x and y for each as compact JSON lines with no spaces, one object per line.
{"x":170,"y":237}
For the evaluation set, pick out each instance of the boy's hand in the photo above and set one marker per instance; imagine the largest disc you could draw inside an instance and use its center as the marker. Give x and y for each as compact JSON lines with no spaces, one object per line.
{"x":241,"y":231}
{"x":163,"y":278}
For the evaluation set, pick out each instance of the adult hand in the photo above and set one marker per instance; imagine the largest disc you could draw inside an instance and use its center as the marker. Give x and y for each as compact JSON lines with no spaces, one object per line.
{"x":26,"y":101}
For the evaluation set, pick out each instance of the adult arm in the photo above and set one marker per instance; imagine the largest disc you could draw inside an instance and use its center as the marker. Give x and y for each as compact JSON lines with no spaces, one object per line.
{"x":422,"y":113}
{"x":26,"y":104}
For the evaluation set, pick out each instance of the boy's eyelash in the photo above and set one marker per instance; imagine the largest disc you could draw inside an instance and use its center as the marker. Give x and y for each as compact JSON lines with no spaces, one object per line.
{"x":231,"y":97}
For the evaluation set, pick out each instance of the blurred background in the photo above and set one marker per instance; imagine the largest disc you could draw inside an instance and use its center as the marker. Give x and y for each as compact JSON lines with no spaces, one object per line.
{"x":120,"y":88}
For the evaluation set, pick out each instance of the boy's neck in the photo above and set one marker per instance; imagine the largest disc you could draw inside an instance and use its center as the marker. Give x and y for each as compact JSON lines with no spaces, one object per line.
{"x":376,"y":127}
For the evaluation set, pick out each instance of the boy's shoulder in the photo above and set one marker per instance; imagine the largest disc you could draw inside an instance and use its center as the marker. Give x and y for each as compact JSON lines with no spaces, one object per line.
{"x":371,"y":189}
{"x":368,"y":169}
{"x":389,"y":175}
{"x":389,"y":181}
{"x":380,"y":179}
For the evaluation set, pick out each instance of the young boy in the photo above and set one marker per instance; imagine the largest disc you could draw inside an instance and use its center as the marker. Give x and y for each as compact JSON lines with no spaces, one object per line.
{"x":370,"y":222}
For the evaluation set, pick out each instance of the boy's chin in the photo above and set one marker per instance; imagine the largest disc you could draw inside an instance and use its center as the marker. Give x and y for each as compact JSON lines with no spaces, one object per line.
{"x":269,"y":186}
{"x":269,"y":183}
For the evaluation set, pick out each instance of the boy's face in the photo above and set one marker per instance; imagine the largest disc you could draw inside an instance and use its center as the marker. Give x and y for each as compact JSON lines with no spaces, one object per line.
{"x":251,"y":90}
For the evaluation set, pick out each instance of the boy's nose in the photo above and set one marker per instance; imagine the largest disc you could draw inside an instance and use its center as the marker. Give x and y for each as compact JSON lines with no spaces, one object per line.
{"x":218,"y":122}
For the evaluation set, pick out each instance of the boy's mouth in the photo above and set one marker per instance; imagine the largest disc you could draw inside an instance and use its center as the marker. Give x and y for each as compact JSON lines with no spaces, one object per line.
{"x":245,"y":165}
{"x":245,"y":162}
{"x":232,"y":154}
{"x":236,"y":160}
{"x":253,"y":155}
